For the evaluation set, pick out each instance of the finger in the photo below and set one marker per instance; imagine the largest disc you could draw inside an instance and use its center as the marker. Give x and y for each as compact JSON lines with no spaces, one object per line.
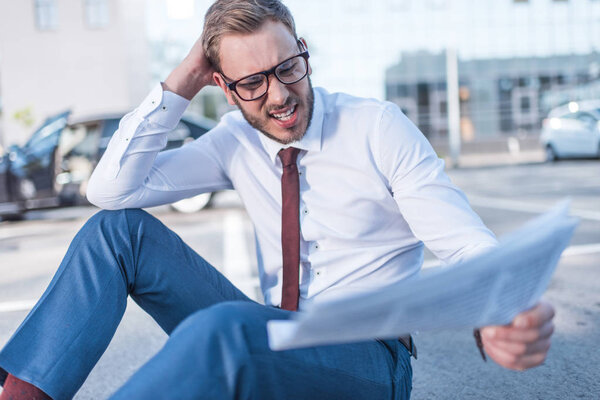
{"x":522,"y":349}
{"x":510,"y":333}
{"x":534,"y":317}
{"x":513,"y":361}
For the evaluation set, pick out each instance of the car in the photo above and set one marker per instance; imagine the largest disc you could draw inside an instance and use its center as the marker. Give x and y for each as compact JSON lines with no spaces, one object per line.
{"x":572,"y":131}
{"x":53,"y":167}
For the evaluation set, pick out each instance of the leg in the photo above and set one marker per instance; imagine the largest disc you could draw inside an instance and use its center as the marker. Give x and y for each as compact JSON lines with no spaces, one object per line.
{"x":115,"y":254}
{"x":222,"y":353}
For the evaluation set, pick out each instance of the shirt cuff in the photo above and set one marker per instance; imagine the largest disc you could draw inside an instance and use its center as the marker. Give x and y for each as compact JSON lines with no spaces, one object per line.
{"x":163,"y":107}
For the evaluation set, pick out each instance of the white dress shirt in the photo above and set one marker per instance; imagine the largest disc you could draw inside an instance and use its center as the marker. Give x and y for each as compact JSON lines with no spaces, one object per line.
{"x":372,"y":190}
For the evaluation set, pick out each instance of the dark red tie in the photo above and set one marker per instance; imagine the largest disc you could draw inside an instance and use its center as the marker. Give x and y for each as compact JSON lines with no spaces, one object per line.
{"x":290,"y":228}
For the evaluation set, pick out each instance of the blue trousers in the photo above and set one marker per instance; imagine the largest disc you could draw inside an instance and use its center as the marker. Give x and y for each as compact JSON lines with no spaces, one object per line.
{"x":217,"y":346}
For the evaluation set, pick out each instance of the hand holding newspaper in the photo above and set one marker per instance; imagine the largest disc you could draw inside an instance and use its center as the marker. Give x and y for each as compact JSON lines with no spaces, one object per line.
{"x":489,"y":289}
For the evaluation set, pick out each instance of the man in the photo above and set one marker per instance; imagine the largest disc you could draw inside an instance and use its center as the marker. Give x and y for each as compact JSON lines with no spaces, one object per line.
{"x":342,"y":192}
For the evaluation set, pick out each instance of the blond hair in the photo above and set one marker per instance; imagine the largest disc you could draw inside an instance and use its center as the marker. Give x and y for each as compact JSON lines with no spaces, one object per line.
{"x":240,"y":16}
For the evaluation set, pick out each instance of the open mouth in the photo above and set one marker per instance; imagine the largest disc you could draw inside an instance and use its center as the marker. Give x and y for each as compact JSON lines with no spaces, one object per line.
{"x":286,"y":118}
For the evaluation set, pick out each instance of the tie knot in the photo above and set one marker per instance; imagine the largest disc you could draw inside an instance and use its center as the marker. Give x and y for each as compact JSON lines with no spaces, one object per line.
{"x":288,"y":156}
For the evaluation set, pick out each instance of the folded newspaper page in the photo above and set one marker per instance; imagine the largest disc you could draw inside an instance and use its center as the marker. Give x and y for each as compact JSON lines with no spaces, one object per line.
{"x":488,"y":289}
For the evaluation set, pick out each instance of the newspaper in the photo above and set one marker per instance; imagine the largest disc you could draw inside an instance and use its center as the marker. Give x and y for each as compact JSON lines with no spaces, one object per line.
{"x":489,"y":289}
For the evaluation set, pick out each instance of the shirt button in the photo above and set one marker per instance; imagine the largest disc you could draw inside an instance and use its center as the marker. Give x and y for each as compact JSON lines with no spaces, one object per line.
{"x":316,"y":246}
{"x":164,"y":108}
{"x":305,"y":211}
{"x":318,"y":273}
{"x":299,"y":172}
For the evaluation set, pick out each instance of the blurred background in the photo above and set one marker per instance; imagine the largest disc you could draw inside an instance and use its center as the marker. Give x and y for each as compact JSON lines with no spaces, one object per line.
{"x":516,"y":59}
{"x":507,"y":91}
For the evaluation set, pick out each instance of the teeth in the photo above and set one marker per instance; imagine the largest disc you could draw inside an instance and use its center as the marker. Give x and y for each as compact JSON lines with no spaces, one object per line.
{"x":286,"y":115}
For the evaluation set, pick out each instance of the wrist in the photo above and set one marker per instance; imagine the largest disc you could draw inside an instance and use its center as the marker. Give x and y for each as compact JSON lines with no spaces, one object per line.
{"x":185,"y":80}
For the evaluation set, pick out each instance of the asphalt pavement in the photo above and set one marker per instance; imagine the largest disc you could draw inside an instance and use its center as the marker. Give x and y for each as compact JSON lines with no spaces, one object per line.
{"x":449,"y":365}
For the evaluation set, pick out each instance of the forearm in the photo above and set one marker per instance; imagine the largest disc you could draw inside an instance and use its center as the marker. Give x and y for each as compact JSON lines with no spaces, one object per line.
{"x":119,"y":178}
{"x":186,"y":80}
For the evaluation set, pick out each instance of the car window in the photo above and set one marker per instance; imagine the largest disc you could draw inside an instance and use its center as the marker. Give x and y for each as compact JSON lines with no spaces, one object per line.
{"x":568,"y":115}
{"x":584,"y":116}
{"x":43,"y":145}
{"x":80,"y":140}
{"x":109,"y":128}
{"x":195,"y":130}
{"x":48,"y":132}
{"x":587,"y":119}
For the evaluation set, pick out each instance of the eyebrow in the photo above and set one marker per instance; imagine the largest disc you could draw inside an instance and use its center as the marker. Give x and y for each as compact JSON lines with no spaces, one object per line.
{"x":259,"y":72}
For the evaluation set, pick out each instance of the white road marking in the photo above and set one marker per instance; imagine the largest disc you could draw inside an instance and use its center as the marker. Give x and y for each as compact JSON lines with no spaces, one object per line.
{"x":515,"y":205}
{"x":19,"y":305}
{"x":236,"y":259}
{"x":582,"y":249}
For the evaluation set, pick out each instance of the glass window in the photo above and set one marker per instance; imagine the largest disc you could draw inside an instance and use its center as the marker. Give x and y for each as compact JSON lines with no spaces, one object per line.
{"x":525,"y":104}
{"x":50,"y":128}
{"x":586,"y":118}
{"x":443,"y":107}
{"x":96,"y":13}
{"x":80,"y":141}
{"x":46,"y":15}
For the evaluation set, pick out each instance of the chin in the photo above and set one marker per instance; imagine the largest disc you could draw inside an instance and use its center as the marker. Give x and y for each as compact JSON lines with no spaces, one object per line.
{"x":270,"y":129}
{"x":285,"y":135}
{"x":288,"y":136}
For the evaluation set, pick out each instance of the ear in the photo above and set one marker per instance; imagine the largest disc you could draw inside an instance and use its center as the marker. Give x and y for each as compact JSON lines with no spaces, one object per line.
{"x":221,"y":83}
{"x":302,"y":44}
{"x":304,"y":47}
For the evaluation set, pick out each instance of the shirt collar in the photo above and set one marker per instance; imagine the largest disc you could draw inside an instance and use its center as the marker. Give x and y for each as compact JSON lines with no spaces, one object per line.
{"x":311,"y":140}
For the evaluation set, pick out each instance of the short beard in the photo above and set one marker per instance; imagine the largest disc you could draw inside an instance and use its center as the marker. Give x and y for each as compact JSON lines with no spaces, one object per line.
{"x":298,"y":132}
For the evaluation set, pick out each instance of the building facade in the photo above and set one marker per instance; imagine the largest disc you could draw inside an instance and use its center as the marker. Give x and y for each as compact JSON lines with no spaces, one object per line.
{"x":498,"y":97}
{"x":89,"y":56}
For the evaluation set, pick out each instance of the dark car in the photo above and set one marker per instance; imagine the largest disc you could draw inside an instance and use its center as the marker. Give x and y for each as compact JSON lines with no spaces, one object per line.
{"x":52,"y":169}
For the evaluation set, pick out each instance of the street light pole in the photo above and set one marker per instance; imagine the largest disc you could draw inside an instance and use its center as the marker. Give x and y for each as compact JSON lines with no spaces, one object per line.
{"x":452,"y":100}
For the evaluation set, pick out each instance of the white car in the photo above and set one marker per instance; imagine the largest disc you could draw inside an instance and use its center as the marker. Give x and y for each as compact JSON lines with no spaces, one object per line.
{"x":572,"y":131}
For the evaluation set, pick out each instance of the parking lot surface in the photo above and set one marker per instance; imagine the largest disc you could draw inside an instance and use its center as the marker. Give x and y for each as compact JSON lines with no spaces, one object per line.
{"x":449,"y":365}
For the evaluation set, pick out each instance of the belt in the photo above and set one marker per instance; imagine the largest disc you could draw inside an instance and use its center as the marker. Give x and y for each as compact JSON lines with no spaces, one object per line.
{"x":408,"y":342}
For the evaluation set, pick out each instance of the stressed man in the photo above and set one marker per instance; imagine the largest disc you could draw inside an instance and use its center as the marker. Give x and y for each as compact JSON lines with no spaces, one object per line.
{"x":343,"y":193}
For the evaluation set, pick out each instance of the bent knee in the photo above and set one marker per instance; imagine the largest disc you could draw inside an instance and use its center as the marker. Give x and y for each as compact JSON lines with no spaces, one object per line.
{"x":118,"y":219}
{"x":227,"y":319}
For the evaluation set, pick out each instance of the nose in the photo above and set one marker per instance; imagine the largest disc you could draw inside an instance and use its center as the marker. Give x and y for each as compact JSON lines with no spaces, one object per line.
{"x":278,"y":92}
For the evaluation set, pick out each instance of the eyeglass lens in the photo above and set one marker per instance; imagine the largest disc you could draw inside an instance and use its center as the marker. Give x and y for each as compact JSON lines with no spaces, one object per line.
{"x":288,"y":72}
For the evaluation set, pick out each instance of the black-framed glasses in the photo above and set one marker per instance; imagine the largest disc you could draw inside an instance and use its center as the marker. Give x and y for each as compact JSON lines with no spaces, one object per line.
{"x":255,"y":86}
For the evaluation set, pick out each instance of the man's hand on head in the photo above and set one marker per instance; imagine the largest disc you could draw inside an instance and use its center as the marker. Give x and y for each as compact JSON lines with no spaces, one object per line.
{"x":524,"y":343}
{"x":192,"y":74}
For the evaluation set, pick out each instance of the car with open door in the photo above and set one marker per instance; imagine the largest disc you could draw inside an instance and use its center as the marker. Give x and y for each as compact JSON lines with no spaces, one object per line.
{"x":53,"y":167}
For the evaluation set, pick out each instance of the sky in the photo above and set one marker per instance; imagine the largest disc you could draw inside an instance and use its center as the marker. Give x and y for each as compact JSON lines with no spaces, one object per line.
{"x":352,"y":42}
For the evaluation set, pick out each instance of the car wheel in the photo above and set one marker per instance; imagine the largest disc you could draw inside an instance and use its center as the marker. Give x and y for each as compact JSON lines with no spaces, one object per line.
{"x":193,"y":204}
{"x":551,"y":154}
